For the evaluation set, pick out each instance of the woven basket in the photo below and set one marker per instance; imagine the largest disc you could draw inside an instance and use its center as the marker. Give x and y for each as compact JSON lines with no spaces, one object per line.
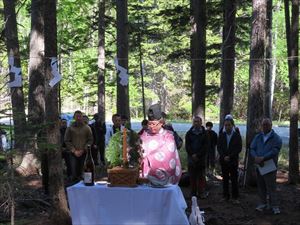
{"x":123,"y":177}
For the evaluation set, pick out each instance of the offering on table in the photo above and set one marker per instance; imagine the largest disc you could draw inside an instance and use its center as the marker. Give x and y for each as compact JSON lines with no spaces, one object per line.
{"x":123,"y":156}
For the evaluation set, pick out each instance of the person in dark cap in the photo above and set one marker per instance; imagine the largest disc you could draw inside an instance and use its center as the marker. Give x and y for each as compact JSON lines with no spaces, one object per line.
{"x":154,"y":112}
{"x":229,"y":117}
{"x":161,"y":163}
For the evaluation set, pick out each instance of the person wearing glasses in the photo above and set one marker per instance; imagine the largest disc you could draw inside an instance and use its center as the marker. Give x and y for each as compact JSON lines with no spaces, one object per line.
{"x":161,"y":163}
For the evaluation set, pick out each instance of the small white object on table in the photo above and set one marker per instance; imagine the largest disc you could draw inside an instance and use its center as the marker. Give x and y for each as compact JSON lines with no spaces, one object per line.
{"x":143,"y":205}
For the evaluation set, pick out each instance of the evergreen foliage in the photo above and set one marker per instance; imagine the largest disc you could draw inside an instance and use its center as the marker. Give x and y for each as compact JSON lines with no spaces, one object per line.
{"x":161,"y":29}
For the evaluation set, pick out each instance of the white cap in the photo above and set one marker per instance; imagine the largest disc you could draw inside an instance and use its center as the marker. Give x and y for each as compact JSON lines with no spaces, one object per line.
{"x":228,"y":117}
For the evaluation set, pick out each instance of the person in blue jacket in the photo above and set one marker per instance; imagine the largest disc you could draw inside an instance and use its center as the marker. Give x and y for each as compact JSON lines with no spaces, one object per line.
{"x":266,"y":146}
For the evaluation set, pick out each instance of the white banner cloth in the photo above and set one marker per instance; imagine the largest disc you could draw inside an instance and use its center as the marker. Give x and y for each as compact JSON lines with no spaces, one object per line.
{"x":143,"y":205}
{"x":17,"y":82}
{"x":124,"y":78}
{"x":54,"y":70}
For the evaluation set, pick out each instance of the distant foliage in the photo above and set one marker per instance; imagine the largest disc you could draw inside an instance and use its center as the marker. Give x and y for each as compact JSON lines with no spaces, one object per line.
{"x":161,"y":30}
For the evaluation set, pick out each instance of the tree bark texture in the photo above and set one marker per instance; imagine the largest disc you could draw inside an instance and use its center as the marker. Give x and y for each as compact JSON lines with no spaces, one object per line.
{"x":17,"y":95}
{"x":101,"y":59}
{"x":198,"y":55}
{"x":228,"y":59}
{"x":292,"y":32}
{"x":60,"y":213}
{"x":269,"y":62}
{"x":36,"y":93}
{"x":256,"y":78}
{"x":122,"y":55}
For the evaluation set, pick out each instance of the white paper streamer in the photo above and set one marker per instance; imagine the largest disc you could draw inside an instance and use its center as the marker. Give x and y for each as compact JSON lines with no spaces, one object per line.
{"x":17,"y":82}
{"x":54,"y":70}
{"x":123,"y":73}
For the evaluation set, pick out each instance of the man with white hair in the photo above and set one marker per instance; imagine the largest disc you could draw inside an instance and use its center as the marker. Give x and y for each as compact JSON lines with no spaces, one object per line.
{"x":265,"y":149}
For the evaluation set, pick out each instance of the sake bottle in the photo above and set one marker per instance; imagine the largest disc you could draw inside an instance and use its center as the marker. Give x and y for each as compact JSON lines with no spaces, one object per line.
{"x":89,"y":168}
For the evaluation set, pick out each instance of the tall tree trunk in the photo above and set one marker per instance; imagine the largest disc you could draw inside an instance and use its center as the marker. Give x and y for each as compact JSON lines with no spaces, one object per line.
{"x":60,"y":212}
{"x":122,"y":55}
{"x":274,"y":60}
{"x":198,"y":55}
{"x":101,"y":59}
{"x":292,"y":37}
{"x":256,"y":78}
{"x":269,"y":62}
{"x":17,"y":96}
{"x":36,"y":93}
{"x":228,"y":59}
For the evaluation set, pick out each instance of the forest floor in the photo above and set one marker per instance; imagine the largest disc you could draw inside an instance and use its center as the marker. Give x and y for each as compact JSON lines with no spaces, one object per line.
{"x":218,"y":212}
{"x":33,"y":208}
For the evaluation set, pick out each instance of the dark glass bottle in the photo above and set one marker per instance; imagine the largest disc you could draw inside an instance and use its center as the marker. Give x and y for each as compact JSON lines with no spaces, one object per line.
{"x":88,"y":168}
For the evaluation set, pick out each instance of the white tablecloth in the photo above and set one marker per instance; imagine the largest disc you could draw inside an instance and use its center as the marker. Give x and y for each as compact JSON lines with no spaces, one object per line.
{"x":142,"y":205}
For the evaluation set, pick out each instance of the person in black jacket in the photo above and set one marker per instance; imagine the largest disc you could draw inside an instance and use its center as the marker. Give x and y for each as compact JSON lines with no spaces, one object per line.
{"x":212,"y":140}
{"x":65,"y":153}
{"x":195,"y":144}
{"x":229,"y":147}
{"x":168,"y":126}
{"x":100,"y":131}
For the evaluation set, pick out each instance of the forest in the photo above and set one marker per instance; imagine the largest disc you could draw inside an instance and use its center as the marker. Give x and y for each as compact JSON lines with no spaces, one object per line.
{"x":159,"y":39}
{"x":194,"y":57}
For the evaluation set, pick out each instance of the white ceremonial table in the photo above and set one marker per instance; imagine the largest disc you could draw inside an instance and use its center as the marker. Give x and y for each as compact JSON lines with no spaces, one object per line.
{"x":143,"y":205}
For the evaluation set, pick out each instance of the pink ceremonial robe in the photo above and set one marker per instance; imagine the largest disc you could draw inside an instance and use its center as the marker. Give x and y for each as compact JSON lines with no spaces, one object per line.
{"x":161,"y":163}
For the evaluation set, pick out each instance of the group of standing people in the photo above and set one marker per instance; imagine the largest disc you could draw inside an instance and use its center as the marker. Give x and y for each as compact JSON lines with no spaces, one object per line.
{"x":80,"y":134}
{"x":75,"y":140}
{"x":201,"y":145}
{"x":161,"y":162}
